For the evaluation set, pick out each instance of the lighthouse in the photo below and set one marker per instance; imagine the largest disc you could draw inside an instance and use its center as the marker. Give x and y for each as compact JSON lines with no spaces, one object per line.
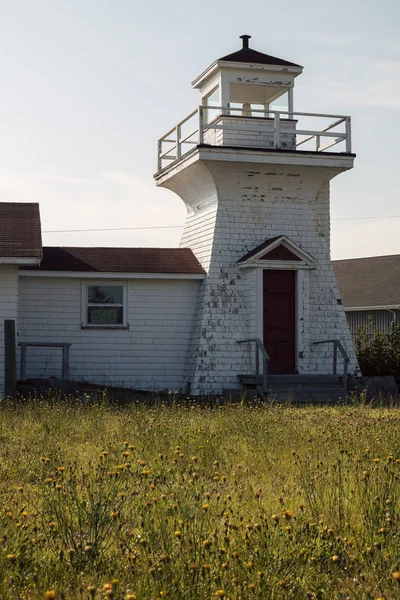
{"x":255,"y":175}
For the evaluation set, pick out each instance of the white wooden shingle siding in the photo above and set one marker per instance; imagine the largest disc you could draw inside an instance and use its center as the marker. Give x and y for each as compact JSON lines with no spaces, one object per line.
{"x":250,"y":133}
{"x":149,"y":355}
{"x":8,"y":307}
{"x":251,"y":203}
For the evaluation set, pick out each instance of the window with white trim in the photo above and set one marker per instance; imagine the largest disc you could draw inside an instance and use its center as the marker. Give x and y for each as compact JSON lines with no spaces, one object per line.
{"x":104,"y":305}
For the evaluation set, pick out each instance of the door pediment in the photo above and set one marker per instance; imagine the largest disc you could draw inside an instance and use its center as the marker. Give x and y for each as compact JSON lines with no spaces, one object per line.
{"x":279,"y":252}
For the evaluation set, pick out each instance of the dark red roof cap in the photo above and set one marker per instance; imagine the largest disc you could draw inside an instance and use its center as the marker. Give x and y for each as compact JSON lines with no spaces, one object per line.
{"x":121,"y":260}
{"x":20,"y":231}
{"x":248,"y":55}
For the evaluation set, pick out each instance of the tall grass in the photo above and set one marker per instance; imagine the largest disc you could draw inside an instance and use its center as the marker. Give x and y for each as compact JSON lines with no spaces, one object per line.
{"x":189,"y":502}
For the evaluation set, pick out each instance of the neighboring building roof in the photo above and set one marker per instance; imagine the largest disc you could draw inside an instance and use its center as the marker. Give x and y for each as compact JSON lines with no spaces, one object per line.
{"x":248,"y":55}
{"x":20,"y":232}
{"x":369,"y":282}
{"x":121,"y":260}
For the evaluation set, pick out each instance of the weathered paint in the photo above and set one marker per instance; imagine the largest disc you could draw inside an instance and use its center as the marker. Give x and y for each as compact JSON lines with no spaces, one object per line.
{"x":244,"y":204}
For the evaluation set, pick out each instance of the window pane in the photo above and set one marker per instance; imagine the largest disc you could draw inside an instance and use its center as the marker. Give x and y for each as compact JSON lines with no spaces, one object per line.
{"x":112,"y":315}
{"x":105,"y":294}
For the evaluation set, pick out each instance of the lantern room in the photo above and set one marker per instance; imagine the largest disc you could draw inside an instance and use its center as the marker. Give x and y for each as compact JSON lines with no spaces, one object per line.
{"x":247,"y":83}
{"x":241,"y":88}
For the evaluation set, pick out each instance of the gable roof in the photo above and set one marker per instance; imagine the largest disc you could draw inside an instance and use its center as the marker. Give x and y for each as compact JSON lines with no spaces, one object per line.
{"x":248,"y":55}
{"x":259,"y":248}
{"x":369,"y":282}
{"x":121,"y":260}
{"x":278,"y":248}
{"x":20,"y":231}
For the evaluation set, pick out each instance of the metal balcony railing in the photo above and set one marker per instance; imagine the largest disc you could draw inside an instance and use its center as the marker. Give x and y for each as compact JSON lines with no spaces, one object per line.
{"x":259,"y":349}
{"x":254,"y":128}
{"x":337,"y":345}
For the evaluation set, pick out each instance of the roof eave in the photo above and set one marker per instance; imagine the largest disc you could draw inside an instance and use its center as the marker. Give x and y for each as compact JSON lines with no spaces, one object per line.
{"x":110,"y":275}
{"x":20,"y":261}
{"x":295,"y":70}
{"x":380,"y":307}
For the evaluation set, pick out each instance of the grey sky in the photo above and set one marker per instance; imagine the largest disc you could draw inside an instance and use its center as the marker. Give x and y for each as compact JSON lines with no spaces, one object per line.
{"x":88,"y":86}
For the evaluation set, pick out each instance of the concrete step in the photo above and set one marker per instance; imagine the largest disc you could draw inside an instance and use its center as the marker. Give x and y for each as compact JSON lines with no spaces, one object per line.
{"x":307,"y":397}
{"x":297,"y":380}
{"x":313,"y":389}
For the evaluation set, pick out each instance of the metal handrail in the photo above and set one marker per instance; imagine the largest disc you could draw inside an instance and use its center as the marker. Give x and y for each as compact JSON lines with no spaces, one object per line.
{"x":337,"y":345}
{"x":259,"y":347}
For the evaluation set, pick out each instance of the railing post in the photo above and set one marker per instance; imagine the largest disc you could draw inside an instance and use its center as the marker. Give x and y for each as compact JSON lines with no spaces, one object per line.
{"x":348,"y":135}
{"x":10,"y":359}
{"x":159,"y":160}
{"x":317,"y":142}
{"x":257,"y":357}
{"x":201,"y":125}
{"x":178,"y":143}
{"x":277,"y":133}
{"x":290,"y":102}
{"x":334,"y":358}
{"x":23,"y":362}
{"x":65,"y":361}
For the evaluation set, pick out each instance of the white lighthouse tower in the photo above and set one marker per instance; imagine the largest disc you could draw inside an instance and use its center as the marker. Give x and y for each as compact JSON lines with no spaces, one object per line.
{"x":255,"y":176}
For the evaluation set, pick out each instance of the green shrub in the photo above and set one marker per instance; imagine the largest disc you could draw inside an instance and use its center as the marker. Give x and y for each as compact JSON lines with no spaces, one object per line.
{"x":378,"y":353}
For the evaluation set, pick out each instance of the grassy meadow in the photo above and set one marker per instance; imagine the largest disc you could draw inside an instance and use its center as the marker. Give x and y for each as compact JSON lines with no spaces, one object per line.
{"x":188,"y":502}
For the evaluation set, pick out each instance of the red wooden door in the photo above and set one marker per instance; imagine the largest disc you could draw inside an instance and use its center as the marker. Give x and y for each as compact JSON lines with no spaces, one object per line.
{"x":279,"y":321}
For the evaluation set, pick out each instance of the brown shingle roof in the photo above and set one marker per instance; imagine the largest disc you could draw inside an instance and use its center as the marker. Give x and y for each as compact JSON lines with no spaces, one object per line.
{"x":121,"y":260}
{"x":369,"y":282}
{"x":20,"y":232}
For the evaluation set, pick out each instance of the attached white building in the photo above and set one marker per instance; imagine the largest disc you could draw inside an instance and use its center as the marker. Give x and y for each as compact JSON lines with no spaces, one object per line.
{"x":252,"y":282}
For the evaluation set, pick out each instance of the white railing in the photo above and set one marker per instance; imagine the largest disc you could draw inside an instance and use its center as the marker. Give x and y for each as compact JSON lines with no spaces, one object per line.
{"x":278,"y":129}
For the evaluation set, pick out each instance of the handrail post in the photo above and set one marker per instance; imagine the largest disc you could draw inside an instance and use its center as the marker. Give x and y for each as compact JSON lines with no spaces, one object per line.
{"x":345,"y":371}
{"x":334,"y":358}
{"x":201,"y":125}
{"x":257,"y":357}
{"x":348,"y":135}
{"x":277,"y":131}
